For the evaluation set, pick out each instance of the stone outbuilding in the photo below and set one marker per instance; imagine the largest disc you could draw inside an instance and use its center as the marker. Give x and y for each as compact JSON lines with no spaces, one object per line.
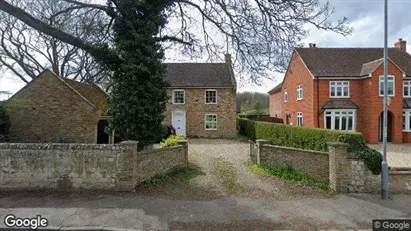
{"x":52,"y":109}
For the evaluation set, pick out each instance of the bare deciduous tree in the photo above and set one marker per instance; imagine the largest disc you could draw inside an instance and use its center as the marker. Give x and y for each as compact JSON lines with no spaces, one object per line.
{"x":26,"y":52}
{"x":261,"y":33}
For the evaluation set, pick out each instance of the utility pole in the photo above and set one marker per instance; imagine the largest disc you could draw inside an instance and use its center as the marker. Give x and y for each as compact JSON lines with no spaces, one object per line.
{"x":384,"y":164}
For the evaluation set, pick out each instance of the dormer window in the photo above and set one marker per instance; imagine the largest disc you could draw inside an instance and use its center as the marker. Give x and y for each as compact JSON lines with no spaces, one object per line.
{"x":339,"y":89}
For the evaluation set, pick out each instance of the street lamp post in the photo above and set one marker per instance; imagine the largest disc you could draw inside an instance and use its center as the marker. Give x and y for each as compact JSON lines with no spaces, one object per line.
{"x":384,"y":164}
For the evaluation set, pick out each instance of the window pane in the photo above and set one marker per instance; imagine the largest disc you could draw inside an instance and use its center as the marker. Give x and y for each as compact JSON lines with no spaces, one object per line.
{"x":350,"y":123}
{"x":333,"y":91}
{"x":390,"y":88}
{"x":403,"y":121}
{"x":339,"y":91}
{"x":381,"y":88}
{"x":337,"y":123}
{"x":406,"y":92}
{"x":346,"y":91}
{"x":344,"y":123}
{"x":328,"y":122}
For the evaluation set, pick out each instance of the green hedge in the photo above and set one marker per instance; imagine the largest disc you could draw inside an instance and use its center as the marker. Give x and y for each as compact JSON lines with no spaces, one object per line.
{"x":310,"y":139}
{"x":298,"y":137}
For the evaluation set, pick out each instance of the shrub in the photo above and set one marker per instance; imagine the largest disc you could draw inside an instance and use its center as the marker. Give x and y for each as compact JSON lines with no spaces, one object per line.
{"x":298,"y":137}
{"x":171,"y":141}
{"x":311,"y":139}
{"x":372,"y":158}
{"x":4,"y":122}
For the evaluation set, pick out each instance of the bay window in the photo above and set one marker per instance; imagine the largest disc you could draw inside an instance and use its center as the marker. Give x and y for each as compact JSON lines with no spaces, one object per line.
{"x":406,"y":120}
{"x":340,"y":119}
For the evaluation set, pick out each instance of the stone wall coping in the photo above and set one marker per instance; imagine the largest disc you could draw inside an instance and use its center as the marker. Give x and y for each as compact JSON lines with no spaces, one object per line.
{"x":337,"y":144}
{"x":61,"y":146}
{"x":159,"y":150}
{"x":295,"y":149}
{"x":391,"y":172}
{"x":182,"y":141}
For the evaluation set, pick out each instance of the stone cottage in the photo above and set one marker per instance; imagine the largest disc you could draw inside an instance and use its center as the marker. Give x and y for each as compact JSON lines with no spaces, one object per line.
{"x":53,"y":109}
{"x":202,"y":103}
{"x":202,"y":99}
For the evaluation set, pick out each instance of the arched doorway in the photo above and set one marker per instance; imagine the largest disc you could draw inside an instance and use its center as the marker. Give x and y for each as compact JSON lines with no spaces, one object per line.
{"x":389,"y":126}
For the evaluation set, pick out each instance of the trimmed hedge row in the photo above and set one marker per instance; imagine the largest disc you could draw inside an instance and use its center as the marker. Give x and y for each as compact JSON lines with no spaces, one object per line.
{"x":298,"y":137}
{"x":310,"y":139}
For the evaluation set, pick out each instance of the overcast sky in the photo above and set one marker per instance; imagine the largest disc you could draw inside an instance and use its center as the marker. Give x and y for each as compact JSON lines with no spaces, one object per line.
{"x":365,"y":16}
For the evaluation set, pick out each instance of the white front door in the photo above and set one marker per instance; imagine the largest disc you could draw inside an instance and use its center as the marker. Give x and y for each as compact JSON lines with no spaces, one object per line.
{"x":178,"y":120}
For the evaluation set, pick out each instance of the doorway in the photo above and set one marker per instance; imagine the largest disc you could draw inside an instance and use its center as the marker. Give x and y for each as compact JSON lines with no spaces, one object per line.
{"x":389,"y":126}
{"x":178,"y":120}
{"x":102,"y":136}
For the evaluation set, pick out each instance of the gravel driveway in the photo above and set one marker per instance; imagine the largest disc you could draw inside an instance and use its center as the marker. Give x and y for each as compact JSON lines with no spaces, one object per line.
{"x":398,"y":155}
{"x":225,"y":173}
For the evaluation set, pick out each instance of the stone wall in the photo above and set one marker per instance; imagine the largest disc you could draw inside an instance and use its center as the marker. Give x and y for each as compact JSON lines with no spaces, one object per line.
{"x":71,"y":167}
{"x":400,"y":180}
{"x":310,"y":162}
{"x":343,"y":172}
{"x":196,"y":108}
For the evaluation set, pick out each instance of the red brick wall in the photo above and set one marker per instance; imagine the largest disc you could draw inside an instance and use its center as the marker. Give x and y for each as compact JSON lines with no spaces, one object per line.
{"x":373,"y":105}
{"x":297,"y":74}
{"x":276,"y":104}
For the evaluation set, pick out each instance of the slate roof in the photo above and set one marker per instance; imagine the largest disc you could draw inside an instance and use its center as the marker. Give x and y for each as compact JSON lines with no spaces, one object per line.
{"x":340,"y":104}
{"x":92,"y":93}
{"x":349,"y":62}
{"x":276,"y":88}
{"x":200,"y":75}
{"x":406,"y":104}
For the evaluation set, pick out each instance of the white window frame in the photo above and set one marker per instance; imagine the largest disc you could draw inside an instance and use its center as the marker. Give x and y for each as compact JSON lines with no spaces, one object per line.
{"x":406,"y":114}
{"x":406,"y":84}
{"x":343,"y":84}
{"x":285,"y":96}
{"x":184,"y":96}
{"x":300,"y":92}
{"x":205,"y":96}
{"x":382,"y":80}
{"x":205,"y":122}
{"x":300,"y":115}
{"x":333,"y":115}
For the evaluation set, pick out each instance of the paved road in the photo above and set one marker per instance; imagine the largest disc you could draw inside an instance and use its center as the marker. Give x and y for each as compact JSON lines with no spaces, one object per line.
{"x":209,"y":203}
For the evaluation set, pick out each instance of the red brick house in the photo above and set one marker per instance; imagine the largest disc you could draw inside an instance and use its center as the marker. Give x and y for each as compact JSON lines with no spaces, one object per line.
{"x":342,"y":88}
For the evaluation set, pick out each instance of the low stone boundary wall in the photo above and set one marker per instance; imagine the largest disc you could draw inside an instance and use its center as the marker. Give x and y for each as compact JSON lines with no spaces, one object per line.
{"x":311,"y":162}
{"x":400,"y":180}
{"x":343,"y":172}
{"x":72,"y":167}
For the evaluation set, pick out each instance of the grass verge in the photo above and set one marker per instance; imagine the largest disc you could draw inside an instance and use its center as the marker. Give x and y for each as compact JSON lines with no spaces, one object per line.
{"x":286,"y":172}
{"x":179,"y":175}
{"x":227,"y":172}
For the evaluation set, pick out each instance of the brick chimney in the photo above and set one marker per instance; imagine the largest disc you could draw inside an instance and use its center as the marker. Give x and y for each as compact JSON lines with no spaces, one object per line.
{"x":228,"y":59}
{"x":312,"y":45}
{"x":401,"y":44}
